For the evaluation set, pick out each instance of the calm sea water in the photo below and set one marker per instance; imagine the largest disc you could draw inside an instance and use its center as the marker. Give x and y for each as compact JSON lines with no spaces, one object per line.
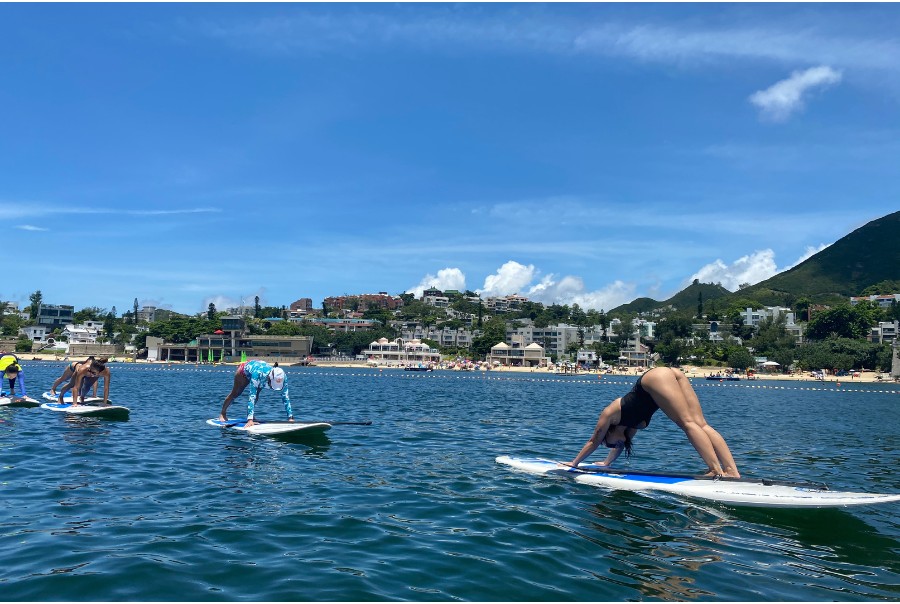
{"x":165,"y":507}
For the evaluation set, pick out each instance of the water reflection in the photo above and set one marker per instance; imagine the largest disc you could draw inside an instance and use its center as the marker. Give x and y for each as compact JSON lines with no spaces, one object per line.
{"x":660,"y":548}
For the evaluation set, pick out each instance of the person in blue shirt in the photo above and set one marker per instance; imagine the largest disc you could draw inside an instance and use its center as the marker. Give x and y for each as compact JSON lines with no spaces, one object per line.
{"x":12,"y":371}
{"x":258,"y":375}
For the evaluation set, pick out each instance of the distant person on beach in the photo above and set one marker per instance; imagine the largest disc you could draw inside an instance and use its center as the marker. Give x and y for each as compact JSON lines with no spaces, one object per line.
{"x":12,"y":371}
{"x":83,"y":378}
{"x":659,"y":388}
{"x":69,"y":371}
{"x":258,"y":375}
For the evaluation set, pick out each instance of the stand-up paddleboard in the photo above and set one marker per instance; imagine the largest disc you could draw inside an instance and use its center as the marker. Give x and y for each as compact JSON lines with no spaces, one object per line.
{"x":107,"y":411}
{"x":53,"y":398}
{"x":8,"y":401}
{"x":733,"y":491}
{"x":271,"y":428}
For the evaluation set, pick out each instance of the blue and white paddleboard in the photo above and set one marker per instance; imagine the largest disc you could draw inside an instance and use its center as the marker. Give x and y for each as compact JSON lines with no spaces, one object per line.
{"x":26,"y":401}
{"x":734,"y":491}
{"x":53,"y":398}
{"x":108,"y":411}
{"x":270,"y":428}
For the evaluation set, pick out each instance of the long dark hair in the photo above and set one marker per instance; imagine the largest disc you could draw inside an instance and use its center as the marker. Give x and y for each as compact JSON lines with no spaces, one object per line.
{"x":628,"y":447}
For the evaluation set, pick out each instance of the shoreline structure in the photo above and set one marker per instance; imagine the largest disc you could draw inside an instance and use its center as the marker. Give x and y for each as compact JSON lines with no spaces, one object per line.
{"x":689,"y":370}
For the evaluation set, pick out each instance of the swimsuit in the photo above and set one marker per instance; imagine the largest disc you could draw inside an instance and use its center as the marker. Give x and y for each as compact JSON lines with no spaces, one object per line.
{"x":258,"y":374}
{"x":637,"y":407}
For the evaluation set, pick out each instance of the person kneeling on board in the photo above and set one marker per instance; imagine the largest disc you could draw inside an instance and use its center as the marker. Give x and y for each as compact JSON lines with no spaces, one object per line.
{"x":12,"y":371}
{"x":258,"y":375}
{"x":659,"y":388}
{"x":83,"y":378}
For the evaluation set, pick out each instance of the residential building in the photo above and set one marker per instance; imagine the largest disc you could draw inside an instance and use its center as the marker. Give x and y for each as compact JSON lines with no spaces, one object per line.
{"x":303,"y":304}
{"x":555,"y":339}
{"x":444,"y":336}
{"x":35,"y":333}
{"x":147,"y":314}
{"x":363,"y":302}
{"x":755,"y":317}
{"x":52,"y":316}
{"x":344,"y":325}
{"x":83,"y":334}
{"x":504,"y":304}
{"x":436,"y":301}
{"x":885,"y":331}
{"x":883,"y":301}
{"x":637,"y":356}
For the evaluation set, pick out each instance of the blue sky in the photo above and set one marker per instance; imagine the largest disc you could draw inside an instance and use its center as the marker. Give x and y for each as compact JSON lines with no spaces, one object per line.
{"x":183,"y":154}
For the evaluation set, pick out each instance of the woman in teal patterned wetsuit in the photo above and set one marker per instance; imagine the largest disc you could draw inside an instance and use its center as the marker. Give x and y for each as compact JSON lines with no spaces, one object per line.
{"x":259,"y":375}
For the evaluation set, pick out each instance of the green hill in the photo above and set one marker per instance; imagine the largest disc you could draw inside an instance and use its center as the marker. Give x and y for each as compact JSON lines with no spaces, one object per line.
{"x":685,"y":301}
{"x":868,"y":255}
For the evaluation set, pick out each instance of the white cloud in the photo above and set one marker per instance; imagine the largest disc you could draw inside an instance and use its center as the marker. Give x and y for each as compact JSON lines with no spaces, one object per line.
{"x":30,"y":227}
{"x":782,"y":99}
{"x":751,"y":269}
{"x":221,"y":302}
{"x":447,"y":278}
{"x":511,"y":278}
{"x":540,"y":31}
{"x":810,"y":252}
{"x":571,"y":290}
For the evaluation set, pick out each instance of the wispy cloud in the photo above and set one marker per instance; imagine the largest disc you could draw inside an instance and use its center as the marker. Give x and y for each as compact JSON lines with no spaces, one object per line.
{"x":538,"y":30}
{"x":779,"y":101}
{"x":168,"y":212}
{"x":30,"y":227}
{"x":35,"y":209}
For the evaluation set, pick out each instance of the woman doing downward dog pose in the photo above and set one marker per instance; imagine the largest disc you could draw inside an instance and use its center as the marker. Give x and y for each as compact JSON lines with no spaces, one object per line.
{"x":659,"y":388}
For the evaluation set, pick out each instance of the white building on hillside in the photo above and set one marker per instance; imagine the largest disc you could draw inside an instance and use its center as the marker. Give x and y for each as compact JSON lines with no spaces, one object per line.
{"x":82,"y":333}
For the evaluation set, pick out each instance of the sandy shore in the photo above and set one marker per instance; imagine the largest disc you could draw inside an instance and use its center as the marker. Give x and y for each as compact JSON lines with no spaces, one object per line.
{"x":690,"y":371}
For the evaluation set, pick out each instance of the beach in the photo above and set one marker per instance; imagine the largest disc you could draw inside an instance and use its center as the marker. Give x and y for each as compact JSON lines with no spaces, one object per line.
{"x":698,"y":372}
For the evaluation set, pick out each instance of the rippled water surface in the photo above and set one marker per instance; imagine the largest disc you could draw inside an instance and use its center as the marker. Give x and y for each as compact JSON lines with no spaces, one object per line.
{"x":413,"y":507}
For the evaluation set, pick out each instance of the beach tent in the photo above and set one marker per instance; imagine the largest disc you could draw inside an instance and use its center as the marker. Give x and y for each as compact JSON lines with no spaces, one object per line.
{"x":770,"y":364}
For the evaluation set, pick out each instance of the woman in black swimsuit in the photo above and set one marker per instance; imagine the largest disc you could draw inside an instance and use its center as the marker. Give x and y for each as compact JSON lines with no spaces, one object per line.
{"x":659,"y":388}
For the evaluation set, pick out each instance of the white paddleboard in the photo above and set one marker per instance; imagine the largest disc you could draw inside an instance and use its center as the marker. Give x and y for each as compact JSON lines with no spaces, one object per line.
{"x":743,"y":492}
{"x":7,"y":401}
{"x":109,"y":411}
{"x":270,"y":428}
{"x":53,"y":398}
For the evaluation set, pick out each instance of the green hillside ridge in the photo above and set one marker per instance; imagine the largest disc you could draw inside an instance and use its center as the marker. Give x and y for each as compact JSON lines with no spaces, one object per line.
{"x":684,"y":301}
{"x":867,"y":256}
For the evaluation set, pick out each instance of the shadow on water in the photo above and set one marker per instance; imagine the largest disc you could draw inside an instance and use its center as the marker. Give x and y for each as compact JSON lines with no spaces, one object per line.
{"x":317,"y":442}
{"x":838,"y":531}
{"x":654,"y":545}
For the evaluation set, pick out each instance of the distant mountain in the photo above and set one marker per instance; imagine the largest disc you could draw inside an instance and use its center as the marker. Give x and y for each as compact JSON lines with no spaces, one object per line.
{"x":684,"y":301}
{"x":868,"y":255}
